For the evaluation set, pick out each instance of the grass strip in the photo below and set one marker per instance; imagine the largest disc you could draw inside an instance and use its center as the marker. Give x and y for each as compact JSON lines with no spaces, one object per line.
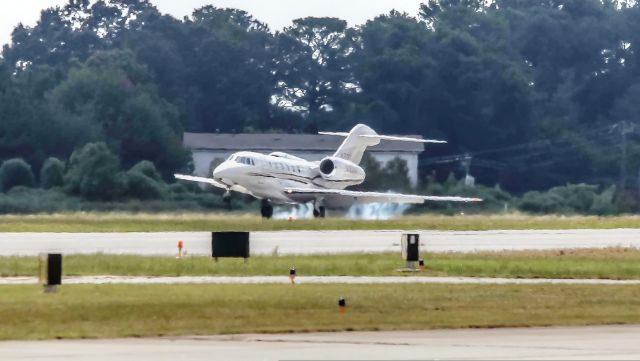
{"x":610,"y":263}
{"x":123,"y":222}
{"x":108,"y":311}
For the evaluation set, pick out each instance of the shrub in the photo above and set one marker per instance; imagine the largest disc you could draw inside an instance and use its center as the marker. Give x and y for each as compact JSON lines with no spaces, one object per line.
{"x":148,"y":169}
{"x":22,"y":200}
{"x":494,"y":198}
{"x":140,"y":186}
{"x":572,"y":198}
{"x":52,"y":173}
{"x":15,"y":172}
{"x":94,"y":173}
{"x":393,"y":176}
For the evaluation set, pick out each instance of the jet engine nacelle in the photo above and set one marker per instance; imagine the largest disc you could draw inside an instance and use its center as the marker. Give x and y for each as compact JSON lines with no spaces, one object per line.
{"x":340,"y":170}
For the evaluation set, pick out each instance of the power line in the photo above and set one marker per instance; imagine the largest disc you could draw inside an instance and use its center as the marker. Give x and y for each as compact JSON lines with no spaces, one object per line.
{"x":543,"y":147}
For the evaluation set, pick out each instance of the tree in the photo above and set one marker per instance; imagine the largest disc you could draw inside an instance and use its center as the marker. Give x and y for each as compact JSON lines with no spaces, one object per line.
{"x":15,"y":172}
{"x":116,"y":93}
{"x":313,"y":70}
{"x":27,"y":129}
{"x":94,"y":173}
{"x":393,"y":66}
{"x":52,"y":173}
{"x":74,"y":31}
{"x":229,"y":72}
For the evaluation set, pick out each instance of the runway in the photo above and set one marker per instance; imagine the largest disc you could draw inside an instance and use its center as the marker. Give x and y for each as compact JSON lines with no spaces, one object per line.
{"x":584,"y":343}
{"x":316,"y":242}
{"x":101,"y":280}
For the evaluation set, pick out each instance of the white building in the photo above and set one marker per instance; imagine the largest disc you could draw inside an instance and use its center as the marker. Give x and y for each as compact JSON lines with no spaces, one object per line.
{"x":208,"y":148}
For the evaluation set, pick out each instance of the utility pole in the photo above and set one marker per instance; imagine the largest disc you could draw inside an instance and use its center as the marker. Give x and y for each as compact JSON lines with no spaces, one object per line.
{"x":638,"y":184}
{"x":466,"y":164}
{"x":624,"y":127}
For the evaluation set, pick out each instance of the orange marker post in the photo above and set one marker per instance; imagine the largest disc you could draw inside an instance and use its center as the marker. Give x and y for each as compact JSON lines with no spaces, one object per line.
{"x":180,"y":246}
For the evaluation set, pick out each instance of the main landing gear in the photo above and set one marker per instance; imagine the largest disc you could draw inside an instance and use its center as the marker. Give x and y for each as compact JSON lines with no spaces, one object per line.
{"x":266,"y":209}
{"x":319,"y":212}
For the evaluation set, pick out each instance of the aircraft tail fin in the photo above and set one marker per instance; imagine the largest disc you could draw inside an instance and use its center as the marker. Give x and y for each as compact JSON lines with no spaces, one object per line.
{"x":361,"y":137}
{"x":353,"y":147}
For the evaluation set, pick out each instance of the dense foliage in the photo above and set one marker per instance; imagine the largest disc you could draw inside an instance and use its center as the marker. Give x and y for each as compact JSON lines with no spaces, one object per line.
{"x":15,"y":172}
{"x":52,"y":173}
{"x":538,"y":93}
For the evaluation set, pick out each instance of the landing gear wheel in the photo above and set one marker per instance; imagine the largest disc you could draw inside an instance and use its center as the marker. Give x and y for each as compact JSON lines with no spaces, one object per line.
{"x":226,"y":198}
{"x":319,"y":212}
{"x":266,"y":209}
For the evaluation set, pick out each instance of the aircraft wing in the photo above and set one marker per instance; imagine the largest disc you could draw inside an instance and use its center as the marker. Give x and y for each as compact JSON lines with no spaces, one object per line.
{"x":374,"y":197}
{"x":213,"y":182}
{"x":191,"y":178}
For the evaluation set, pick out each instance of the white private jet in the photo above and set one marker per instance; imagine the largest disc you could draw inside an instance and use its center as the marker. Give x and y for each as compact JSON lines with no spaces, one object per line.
{"x":282,"y":178}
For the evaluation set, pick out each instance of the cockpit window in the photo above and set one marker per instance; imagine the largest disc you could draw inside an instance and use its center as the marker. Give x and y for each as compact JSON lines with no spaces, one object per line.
{"x":245,"y":160}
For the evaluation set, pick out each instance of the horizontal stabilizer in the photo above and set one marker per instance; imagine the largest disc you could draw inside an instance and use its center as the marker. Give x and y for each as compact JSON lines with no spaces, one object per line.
{"x":385,"y":137}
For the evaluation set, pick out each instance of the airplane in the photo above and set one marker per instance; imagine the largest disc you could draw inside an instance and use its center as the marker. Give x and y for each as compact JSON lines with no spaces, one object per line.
{"x":281,"y":178}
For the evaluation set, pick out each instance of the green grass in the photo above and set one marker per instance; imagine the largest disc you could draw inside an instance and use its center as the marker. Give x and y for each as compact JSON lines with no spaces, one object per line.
{"x":123,"y":222}
{"x":90,"y":311}
{"x":611,"y":263}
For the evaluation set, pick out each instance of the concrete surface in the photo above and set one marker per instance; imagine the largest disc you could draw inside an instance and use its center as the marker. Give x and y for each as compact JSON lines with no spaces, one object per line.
{"x":77,"y":280}
{"x":315,"y":242}
{"x":583,"y":343}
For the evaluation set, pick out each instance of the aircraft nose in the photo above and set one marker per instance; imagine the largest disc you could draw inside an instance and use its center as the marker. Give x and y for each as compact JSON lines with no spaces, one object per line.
{"x":218,"y":172}
{"x":222,"y":172}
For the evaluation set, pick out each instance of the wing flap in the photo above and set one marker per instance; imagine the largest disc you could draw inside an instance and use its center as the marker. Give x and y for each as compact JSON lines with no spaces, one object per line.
{"x":376,"y":197}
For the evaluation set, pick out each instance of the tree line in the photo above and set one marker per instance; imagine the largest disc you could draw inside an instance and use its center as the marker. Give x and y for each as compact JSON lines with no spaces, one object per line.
{"x":538,"y":93}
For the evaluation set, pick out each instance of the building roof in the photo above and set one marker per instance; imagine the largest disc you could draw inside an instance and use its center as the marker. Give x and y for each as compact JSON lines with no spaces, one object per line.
{"x":285,"y":142}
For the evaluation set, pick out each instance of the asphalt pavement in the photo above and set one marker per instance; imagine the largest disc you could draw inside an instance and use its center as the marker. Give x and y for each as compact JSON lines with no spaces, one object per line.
{"x":583,"y":343}
{"x":316,"y":242}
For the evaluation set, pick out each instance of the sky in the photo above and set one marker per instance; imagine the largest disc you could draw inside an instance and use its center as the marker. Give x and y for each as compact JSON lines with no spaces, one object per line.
{"x":276,"y":13}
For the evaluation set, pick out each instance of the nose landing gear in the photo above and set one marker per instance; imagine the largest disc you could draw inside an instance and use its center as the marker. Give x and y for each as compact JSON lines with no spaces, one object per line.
{"x":226,"y":198}
{"x":266,"y":209}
